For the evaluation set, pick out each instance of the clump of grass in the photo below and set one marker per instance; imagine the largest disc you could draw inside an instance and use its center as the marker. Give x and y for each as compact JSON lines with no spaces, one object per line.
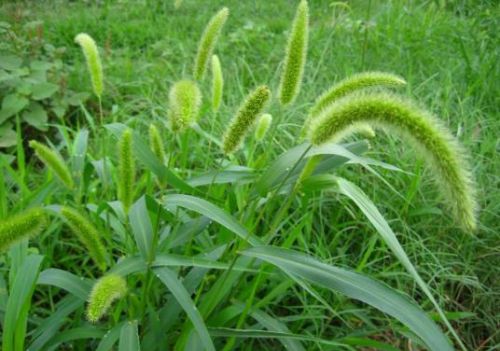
{"x":217,"y":83}
{"x":156,"y":143}
{"x":54,"y":162}
{"x":263,"y":125}
{"x":295,"y":58}
{"x":438,"y":146}
{"x":208,"y":41}
{"x":28,"y":224}
{"x":87,"y":233}
{"x":126,"y":170}
{"x":245,"y":118}
{"x":105,"y":291}
{"x":184,"y":104}
{"x":93,"y":59}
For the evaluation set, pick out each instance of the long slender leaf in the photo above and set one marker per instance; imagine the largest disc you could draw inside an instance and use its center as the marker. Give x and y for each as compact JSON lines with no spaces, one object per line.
{"x":142,"y":229}
{"x":67,"y":281}
{"x":129,"y":337}
{"x":358,"y":287}
{"x":110,"y":338}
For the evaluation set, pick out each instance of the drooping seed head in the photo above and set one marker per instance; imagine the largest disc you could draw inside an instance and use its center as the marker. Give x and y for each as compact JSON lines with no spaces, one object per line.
{"x":295,"y":58}
{"x":126,"y":170}
{"x":217,"y":83}
{"x":263,"y":125}
{"x":88,"y":235}
{"x":350,"y":85}
{"x":53,"y":161}
{"x":93,"y":59}
{"x":27,"y":224}
{"x":208,"y":41}
{"x":105,"y":291}
{"x":184,"y":101}
{"x":439,"y":148}
{"x":245,"y":118}
{"x":156,"y":143}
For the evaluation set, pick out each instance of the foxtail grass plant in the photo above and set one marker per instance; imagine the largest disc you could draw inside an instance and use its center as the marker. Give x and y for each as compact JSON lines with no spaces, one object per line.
{"x":27,"y":224}
{"x":208,"y":41}
{"x":105,"y":291}
{"x":439,"y":148}
{"x":54,"y":162}
{"x":184,"y":104}
{"x":263,"y":125}
{"x":126,"y":170}
{"x":245,"y":118}
{"x":156,"y":143}
{"x":295,"y":56}
{"x":93,"y":59}
{"x":217,"y":83}
{"x":88,"y":235}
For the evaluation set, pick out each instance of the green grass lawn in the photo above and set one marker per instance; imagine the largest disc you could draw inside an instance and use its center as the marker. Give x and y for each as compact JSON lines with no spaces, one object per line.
{"x":447,"y":51}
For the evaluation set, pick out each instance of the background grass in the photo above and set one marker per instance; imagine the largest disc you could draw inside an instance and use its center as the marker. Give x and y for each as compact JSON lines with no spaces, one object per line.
{"x":447,"y":51}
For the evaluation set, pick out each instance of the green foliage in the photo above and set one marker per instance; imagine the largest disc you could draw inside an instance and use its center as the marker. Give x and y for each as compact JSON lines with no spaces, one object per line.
{"x":29,"y":223}
{"x":263,"y":125}
{"x":184,"y":104}
{"x":295,"y":56}
{"x":54,"y":162}
{"x":439,"y":148}
{"x":88,"y":235}
{"x":245,"y":118}
{"x":105,"y":291}
{"x":126,"y":170}
{"x":208,"y":41}
{"x":33,"y":78}
{"x":217,"y":83}
{"x":93,"y":59}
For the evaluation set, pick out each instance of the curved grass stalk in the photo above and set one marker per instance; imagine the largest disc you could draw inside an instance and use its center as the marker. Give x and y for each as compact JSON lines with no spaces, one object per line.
{"x":184,"y":101}
{"x":349,"y":85}
{"x":245,"y":118}
{"x":439,"y":148}
{"x":21,"y":226}
{"x":104,"y":292}
{"x":87,"y":233}
{"x":295,"y":57}
{"x":208,"y":41}
{"x":54,"y":162}
{"x":126,"y":170}
{"x":93,"y":59}
{"x":217,"y":83}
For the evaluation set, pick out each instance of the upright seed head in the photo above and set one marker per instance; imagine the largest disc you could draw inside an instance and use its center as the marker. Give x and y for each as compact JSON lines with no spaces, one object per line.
{"x":93,"y":59}
{"x":263,"y":125}
{"x":88,"y":235}
{"x":439,"y":148}
{"x":21,"y":226}
{"x":156,"y":143}
{"x":53,"y":161}
{"x":217,"y":83}
{"x":126,"y":170}
{"x":349,"y":85}
{"x":208,"y":41}
{"x":184,"y":101}
{"x":295,"y":59}
{"x":245,"y":118}
{"x":105,"y":291}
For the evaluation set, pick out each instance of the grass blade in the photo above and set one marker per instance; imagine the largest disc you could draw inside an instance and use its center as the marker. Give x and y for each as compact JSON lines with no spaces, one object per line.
{"x":142,"y":229}
{"x":129,"y":337}
{"x":67,"y":281}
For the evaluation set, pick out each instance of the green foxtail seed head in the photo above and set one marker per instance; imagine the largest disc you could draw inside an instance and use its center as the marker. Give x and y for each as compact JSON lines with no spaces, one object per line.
{"x":245,"y":118}
{"x":217,"y":83}
{"x":295,"y":59}
{"x":105,"y":291}
{"x":53,"y":161}
{"x":349,"y":85}
{"x":177,"y":4}
{"x":93,"y":59}
{"x":87,"y":233}
{"x":126,"y":170}
{"x":440,"y":149}
{"x":208,"y":41}
{"x":263,"y":125}
{"x":184,"y":100}
{"x":24,"y":225}
{"x":156,"y":143}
